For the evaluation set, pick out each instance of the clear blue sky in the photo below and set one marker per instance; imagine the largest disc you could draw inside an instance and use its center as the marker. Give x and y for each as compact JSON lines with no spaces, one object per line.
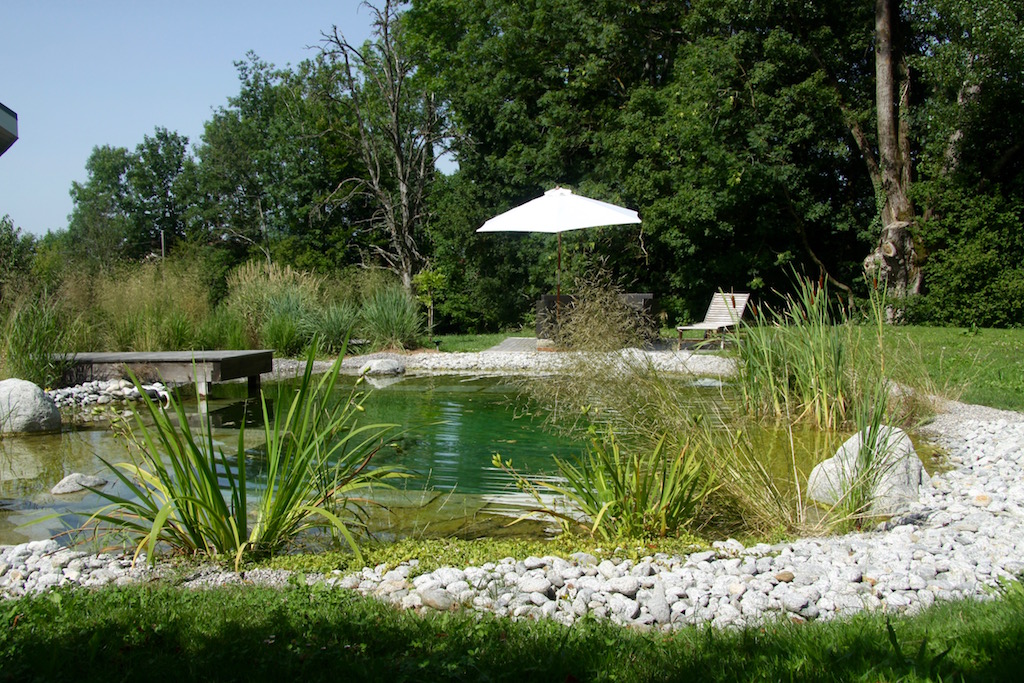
{"x":105,"y":72}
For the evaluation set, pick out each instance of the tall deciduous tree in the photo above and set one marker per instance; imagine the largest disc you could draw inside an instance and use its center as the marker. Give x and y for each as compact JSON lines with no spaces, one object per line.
{"x":400,"y":133}
{"x":269,"y":161}
{"x":100,"y":217}
{"x":162,"y":189}
{"x":243,"y":161}
{"x":894,"y":260}
{"x":15,"y":255}
{"x":132,"y":204}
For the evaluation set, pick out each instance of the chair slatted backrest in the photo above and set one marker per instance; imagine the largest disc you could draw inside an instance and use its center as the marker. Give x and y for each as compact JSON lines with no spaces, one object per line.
{"x":726,"y":308}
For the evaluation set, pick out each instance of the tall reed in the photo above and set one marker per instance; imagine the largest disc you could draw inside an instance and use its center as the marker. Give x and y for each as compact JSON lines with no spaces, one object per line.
{"x":35,"y":335}
{"x":798,"y":363}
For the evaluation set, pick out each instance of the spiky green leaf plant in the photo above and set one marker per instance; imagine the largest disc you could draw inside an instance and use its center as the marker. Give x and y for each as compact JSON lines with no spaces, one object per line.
{"x":186,"y":495}
{"x":612,"y":494}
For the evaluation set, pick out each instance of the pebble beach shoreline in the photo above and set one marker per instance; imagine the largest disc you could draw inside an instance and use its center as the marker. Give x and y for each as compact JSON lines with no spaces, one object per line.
{"x":957,"y":541}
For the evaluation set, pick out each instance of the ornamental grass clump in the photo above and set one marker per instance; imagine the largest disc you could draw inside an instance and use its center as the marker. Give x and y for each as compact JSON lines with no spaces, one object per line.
{"x":757,"y":475}
{"x":333,"y":325}
{"x":391,"y":318}
{"x":614,"y":492}
{"x":260,"y":291}
{"x":153,"y":306}
{"x":35,"y":332}
{"x":184,"y":495}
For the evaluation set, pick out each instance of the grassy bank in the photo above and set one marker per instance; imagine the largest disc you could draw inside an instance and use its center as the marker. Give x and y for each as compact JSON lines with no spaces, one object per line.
{"x":312,"y":633}
{"x":983,"y":366}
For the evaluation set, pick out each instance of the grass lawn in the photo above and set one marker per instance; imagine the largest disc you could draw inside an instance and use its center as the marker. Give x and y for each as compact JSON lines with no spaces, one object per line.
{"x":976,"y":366}
{"x":314,"y":633}
{"x":982,"y":366}
{"x":472,"y":343}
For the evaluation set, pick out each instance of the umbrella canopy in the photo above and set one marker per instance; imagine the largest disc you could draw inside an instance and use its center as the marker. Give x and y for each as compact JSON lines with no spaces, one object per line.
{"x":559,"y":210}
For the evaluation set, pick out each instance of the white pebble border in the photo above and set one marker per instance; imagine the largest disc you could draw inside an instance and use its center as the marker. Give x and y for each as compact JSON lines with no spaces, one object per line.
{"x":965,"y":533}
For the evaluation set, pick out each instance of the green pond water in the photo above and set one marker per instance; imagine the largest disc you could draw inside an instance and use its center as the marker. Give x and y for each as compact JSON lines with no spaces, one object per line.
{"x":451,"y":428}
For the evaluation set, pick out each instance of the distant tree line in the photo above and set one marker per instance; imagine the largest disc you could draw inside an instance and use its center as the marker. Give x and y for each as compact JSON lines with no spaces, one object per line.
{"x":869,"y":144}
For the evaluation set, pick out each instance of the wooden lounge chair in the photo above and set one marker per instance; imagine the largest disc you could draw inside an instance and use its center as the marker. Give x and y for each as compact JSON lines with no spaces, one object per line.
{"x":726,"y":310}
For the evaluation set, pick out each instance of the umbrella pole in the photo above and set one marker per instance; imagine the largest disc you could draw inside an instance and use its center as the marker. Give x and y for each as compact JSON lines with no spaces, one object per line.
{"x":558,"y":283}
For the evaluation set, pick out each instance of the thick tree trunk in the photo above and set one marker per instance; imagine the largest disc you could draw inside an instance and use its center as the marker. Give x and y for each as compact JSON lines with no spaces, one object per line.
{"x":894,"y":260}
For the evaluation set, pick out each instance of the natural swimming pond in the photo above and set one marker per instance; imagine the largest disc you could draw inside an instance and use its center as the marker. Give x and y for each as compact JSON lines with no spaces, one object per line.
{"x":451,"y":428}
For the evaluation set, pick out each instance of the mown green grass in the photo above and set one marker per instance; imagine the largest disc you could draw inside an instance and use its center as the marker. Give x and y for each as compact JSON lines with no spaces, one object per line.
{"x":473,"y":343}
{"x":982,"y":366}
{"x":314,"y":633}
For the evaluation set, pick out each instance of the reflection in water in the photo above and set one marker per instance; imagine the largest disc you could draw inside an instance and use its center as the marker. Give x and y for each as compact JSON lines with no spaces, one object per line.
{"x":31,"y":465}
{"x":454,"y":427}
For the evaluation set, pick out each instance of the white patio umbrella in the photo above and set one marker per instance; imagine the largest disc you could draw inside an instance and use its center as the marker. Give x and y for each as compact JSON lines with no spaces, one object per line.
{"x":558,"y":211}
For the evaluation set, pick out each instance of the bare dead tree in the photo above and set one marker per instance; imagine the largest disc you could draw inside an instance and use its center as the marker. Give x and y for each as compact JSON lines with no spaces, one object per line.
{"x":399,"y":132}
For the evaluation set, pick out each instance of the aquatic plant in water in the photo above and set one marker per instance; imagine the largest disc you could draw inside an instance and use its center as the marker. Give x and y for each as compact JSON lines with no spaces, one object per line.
{"x":612,"y":494}
{"x":186,"y":495}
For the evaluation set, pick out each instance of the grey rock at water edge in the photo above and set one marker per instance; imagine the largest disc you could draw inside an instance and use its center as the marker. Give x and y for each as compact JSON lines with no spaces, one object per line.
{"x":899,"y":476}
{"x":75,"y":482}
{"x":25,"y":408}
{"x":382,"y":366}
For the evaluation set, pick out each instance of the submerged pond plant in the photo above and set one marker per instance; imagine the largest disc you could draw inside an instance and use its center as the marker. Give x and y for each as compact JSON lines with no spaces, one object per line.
{"x":186,"y":495}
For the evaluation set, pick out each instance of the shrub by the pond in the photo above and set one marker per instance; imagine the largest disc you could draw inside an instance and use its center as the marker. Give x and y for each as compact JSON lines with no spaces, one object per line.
{"x":599,"y":318}
{"x":314,"y":463}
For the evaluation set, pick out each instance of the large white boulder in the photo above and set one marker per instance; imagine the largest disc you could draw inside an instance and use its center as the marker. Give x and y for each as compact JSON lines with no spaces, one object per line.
{"x":896,"y":472}
{"x":383,"y":367}
{"x":76,"y":482}
{"x":24,"y":408}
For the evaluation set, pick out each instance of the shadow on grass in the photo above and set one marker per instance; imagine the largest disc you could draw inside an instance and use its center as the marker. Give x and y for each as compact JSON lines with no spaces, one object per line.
{"x":312,"y":634}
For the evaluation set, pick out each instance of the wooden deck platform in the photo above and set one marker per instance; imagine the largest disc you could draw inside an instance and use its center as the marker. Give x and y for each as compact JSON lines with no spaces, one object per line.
{"x":202,"y":368}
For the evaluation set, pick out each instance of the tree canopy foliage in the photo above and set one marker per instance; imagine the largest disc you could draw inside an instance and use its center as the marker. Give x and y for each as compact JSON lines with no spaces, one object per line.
{"x":754,"y":138}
